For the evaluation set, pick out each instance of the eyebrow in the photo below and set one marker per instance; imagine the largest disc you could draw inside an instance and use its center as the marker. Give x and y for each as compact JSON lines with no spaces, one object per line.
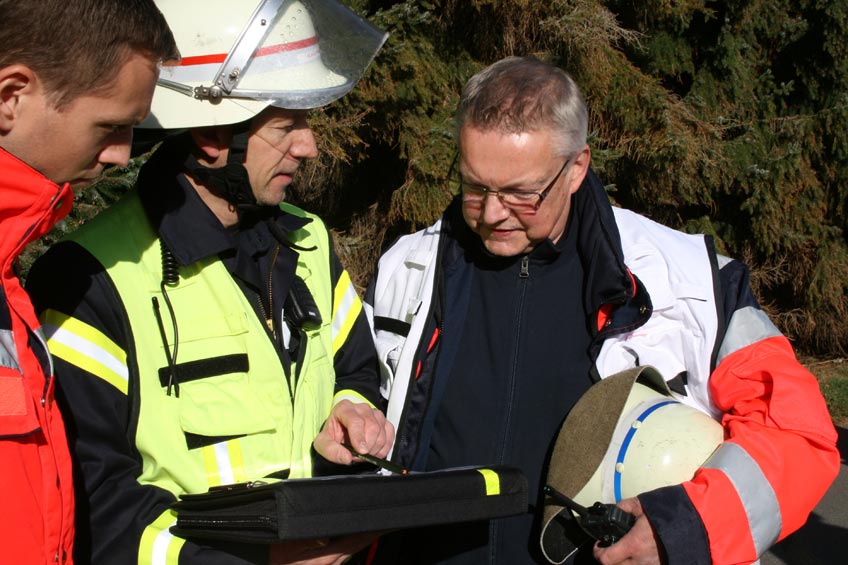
{"x":515,"y":187}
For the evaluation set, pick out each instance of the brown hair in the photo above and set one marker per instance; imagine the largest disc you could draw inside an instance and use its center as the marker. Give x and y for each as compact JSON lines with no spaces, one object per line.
{"x":77,"y":47}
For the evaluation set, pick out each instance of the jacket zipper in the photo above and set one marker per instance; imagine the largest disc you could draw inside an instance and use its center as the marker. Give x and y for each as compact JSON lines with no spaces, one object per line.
{"x":523,"y":276}
{"x":268,"y":318}
{"x":269,"y":315}
{"x":524,"y":273}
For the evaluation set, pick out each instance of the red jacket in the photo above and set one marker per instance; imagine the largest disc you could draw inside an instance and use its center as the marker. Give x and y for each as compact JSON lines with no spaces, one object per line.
{"x":36,"y":484}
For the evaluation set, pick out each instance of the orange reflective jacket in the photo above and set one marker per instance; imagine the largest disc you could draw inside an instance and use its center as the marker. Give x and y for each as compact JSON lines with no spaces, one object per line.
{"x":36,"y":486}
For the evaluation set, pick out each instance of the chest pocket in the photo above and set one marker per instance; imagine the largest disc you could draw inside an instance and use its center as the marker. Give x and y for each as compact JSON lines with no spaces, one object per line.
{"x":221,"y":404}
{"x":675,"y":339}
{"x":220,"y":397}
{"x":17,"y":407}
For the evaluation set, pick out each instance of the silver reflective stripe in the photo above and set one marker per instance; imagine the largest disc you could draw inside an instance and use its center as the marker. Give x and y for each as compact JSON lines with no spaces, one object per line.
{"x":160,"y":547}
{"x":345,"y":302}
{"x":757,"y":495}
{"x":42,"y":337}
{"x":747,"y":325}
{"x":8,"y":351}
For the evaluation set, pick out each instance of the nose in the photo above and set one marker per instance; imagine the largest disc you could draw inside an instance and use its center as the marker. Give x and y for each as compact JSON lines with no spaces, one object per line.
{"x":494,"y":210}
{"x":303,"y":145}
{"x":117,"y":152}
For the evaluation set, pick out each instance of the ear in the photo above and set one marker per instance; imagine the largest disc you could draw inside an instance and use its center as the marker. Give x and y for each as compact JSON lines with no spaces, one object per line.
{"x":579,"y":167}
{"x":212,"y":142}
{"x":16,"y":82}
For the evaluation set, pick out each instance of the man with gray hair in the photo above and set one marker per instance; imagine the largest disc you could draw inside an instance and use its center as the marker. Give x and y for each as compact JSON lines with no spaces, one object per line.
{"x":492,"y":323}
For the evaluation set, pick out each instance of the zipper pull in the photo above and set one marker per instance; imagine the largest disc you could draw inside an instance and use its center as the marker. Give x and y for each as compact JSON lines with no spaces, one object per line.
{"x":525,"y":268}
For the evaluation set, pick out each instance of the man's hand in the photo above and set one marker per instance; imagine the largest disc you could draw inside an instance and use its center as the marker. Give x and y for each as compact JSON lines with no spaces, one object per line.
{"x":638,"y":547}
{"x":360,"y":426}
{"x":319,"y":551}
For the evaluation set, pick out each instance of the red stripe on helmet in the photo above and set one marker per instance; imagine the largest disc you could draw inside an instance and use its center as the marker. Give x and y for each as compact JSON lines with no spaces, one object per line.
{"x":293,"y":46}
{"x":261,"y":52}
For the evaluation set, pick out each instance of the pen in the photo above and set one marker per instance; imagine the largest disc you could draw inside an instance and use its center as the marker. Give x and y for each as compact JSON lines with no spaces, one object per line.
{"x":382,"y":463}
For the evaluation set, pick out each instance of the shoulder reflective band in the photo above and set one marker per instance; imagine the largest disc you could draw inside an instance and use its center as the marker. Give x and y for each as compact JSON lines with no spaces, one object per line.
{"x":86,"y":347}
{"x":754,"y":490}
{"x":346,"y":308}
{"x":747,"y":325}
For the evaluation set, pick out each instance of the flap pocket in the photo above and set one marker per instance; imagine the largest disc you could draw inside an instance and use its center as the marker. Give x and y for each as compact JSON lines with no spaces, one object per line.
{"x":389,"y":346}
{"x":17,"y":409}
{"x":205,"y":327}
{"x":222,"y":407}
{"x":647,"y":263}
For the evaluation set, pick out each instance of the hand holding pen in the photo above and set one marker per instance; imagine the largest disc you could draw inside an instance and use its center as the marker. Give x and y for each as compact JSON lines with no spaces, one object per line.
{"x":360,"y":426}
{"x":381,"y":463}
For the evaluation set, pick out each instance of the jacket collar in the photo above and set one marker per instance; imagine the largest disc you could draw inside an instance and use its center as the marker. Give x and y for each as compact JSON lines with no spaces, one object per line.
{"x":614,"y":296}
{"x":608,"y":280}
{"x":31,"y":205}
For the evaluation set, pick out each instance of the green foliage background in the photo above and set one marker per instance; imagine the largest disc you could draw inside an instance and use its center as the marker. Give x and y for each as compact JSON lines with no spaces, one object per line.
{"x":725,"y":118}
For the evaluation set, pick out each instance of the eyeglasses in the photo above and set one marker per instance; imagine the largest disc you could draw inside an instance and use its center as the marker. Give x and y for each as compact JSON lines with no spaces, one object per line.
{"x":516,"y":199}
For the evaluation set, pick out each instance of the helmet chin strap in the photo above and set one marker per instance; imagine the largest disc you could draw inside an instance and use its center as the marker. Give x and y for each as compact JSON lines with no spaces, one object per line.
{"x":231,"y":182}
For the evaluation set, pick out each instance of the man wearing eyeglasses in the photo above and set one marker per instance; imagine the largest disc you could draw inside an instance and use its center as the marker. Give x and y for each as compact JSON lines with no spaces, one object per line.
{"x":494,"y":321}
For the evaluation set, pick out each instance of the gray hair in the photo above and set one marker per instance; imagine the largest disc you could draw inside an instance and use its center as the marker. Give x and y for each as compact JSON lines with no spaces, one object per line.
{"x":521,"y":94}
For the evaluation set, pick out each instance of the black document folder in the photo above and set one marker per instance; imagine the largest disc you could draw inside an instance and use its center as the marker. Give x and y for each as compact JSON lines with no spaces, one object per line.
{"x":322,"y":507}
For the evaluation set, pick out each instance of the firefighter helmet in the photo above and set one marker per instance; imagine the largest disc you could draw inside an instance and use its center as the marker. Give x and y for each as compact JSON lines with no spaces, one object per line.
{"x":625,"y":436}
{"x":240,"y":56}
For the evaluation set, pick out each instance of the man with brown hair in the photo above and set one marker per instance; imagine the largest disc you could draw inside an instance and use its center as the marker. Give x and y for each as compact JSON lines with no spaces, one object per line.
{"x":205,"y":332}
{"x":74,"y":78}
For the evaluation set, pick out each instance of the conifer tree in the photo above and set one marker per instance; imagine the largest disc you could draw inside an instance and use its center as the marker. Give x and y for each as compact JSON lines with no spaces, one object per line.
{"x":726,"y":118}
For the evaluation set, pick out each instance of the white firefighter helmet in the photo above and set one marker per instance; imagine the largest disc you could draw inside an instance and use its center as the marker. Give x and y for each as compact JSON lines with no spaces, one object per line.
{"x":625,"y":436}
{"x":240,"y":56}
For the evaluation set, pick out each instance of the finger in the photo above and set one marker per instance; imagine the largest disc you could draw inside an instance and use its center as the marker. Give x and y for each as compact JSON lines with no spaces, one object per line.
{"x":355,"y":428}
{"x":367,"y":429}
{"x":374,"y":428}
{"x":363,"y":427}
{"x":339,"y":550}
{"x":389,"y":434}
{"x":352,"y":420}
{"x":631,"y":505}
{"x":297,"y":552}
{"x":353,"y":543}
{"x":639,"y":545}
{"x":331,"y":450}
{"x":618,"y":552}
